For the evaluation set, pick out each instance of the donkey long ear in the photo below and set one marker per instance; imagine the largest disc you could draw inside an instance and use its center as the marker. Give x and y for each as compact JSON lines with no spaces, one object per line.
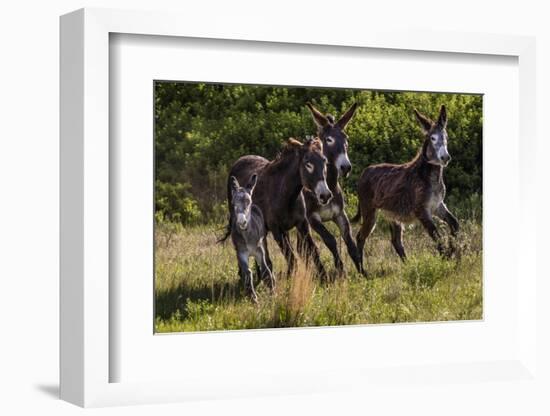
{"x":424,"y":121}
{"x":251,"y":184}
{"x":346,"y":118}
{"x":318,"y":117}
{"x":234,"y":184}
{"x":442,"y":120}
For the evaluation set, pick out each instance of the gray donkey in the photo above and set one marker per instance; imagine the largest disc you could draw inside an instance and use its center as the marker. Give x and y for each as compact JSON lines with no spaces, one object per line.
{"x":248,"y":233}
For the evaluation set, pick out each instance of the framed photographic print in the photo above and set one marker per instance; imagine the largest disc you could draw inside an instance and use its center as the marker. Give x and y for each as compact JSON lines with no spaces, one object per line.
{"x":207,"y":134}
{"x":268,"y":214}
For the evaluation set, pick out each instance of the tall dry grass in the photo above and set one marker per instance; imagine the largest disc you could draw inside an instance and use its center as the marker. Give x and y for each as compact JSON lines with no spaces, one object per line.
{"x":197,"y":286}
{"x":292,"y":296}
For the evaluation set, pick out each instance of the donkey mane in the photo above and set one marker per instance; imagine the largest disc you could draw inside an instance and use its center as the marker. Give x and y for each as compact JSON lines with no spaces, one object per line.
{"x":289,"y":149}
{"x":419,"y":161}
{"x":287,"y":154}
{"x":425,"y":169}
{"x":420,"y":156}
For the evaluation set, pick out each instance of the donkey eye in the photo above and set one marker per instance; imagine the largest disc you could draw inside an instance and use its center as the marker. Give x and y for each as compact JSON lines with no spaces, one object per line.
{"x":309,"y":167}
{"x":330,"y":140}
{"x":434,"y":138}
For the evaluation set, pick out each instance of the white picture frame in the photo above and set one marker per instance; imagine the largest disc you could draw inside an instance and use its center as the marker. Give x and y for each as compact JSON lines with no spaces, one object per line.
{"x":85,"y":353}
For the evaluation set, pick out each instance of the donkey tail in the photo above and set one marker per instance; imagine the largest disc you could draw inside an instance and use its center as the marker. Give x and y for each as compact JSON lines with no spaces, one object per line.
{"x":357,"y":216}
{"x":224,"y":238}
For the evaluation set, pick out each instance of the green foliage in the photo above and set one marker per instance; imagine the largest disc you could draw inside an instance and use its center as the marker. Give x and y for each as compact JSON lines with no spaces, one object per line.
{"x":201,"y":129}
{"x":174,"y":203}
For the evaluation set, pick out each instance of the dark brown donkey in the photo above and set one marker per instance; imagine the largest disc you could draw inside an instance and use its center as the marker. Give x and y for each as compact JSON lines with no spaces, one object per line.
{"x":335,"y":149}
{"x":278,"y":194}
{"x":411,"y":191}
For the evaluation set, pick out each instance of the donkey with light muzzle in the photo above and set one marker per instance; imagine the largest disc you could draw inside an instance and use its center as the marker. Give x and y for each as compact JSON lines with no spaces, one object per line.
{"x":412,"y":191}
{"x":335,"y":148}
{"x":279,"y":196}
{"x":248,"y":233}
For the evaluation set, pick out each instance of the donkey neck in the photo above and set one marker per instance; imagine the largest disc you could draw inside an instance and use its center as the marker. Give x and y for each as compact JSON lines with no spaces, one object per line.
{"x":332,"y":176}
{"x":287,"y":169}
{"x":426,"y":170}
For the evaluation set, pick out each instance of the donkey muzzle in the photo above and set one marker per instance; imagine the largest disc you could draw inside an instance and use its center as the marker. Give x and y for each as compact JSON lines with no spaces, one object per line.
{"x":322,"y":192}
{"x":325,"y":197}
{"x":343,"y":165}
{"x":241,"y":221}
{"x":345,"y":170}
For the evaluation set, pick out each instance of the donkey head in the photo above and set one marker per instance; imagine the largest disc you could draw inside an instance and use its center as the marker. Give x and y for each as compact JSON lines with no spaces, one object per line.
{"x":241,"y":200}
{"x":313,"y":168}
{"x":435,"y":142}
{"x":335,"y":140}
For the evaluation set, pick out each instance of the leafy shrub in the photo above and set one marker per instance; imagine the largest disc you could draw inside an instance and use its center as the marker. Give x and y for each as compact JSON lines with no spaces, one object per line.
{"x":467,"y":206}
{"x":173,"y":203}
{"x":202,"y":129}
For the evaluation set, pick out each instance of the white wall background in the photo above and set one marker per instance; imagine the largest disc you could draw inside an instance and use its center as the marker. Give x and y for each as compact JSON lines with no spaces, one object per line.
{"x":29,"y":115}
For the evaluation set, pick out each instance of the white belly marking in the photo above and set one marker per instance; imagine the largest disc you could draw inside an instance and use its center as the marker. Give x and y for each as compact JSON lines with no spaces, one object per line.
{"x":393,"y":216}
{"x":434,"y":202}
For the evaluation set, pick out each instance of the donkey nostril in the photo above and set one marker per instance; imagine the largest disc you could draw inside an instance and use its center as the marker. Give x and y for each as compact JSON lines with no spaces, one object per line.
{"x":345,"y":168}
{"x":326,"y":197}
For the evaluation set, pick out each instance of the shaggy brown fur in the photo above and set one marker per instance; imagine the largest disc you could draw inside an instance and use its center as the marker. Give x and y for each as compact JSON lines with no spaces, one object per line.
{"x":411,"y":191}
{"x":278,"y":194}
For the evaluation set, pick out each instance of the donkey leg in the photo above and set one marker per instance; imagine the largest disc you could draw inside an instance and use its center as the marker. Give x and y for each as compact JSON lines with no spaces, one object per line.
{"x":246,"y":275}
{"x":443,"y":212}
{"x":369,"y":222}
{"x":284,"y":244}
{"x":266,"y":273}
{"x":268,"y":261}
{"x":345,"y":229}
{"x":311,"y":250}
{"x":257,"y":268}
{"x":427,"y":221}
{"x":329,"y":241}
{"x":397,"y":239}
{"x":260,"y":271}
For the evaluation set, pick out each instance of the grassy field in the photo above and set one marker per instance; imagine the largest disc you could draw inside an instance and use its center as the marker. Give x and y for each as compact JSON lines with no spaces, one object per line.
{"x":198,"y":288}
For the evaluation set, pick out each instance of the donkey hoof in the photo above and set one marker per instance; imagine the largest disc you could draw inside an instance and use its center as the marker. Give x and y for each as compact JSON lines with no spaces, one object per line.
{"x":252,"y":295}
{"x":367,"y":275}
{"x":341,"y":274}
{"x":270,"y":282}
{"x":361,"y":270}
{"x":325,"y":278}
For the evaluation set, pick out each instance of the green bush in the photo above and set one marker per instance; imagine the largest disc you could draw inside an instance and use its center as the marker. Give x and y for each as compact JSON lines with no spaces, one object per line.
{"x":174,"y":203}
{"x":201,"y":129}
